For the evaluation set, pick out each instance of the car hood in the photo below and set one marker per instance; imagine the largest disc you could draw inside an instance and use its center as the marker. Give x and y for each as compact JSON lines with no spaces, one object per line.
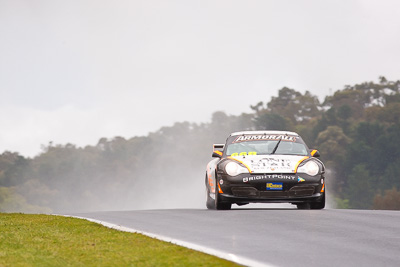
{"x":271,"y":163}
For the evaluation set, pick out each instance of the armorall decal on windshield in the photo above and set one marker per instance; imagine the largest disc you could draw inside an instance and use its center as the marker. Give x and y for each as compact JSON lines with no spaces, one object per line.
{"x":243,"y":138}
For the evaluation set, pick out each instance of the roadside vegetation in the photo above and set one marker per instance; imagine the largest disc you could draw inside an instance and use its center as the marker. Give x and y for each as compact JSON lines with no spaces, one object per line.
{"x":46,"y":240}
{"x":356,"y":129}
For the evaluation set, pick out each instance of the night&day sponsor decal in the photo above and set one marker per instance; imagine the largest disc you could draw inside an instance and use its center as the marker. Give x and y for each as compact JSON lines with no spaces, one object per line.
{"x":275,"y":186}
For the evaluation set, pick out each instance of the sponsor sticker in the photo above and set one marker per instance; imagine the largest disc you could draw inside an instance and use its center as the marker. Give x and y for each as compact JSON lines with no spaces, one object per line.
{"x":300,"y":180}
{"x":251,"y":153}
{"x":269,"y":176}
{"x":275,"y":186}
{"x":272,"y":164}
{"x":282,"y":137}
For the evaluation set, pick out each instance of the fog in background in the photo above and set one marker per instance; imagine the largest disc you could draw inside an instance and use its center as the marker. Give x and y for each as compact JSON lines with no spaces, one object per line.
{"x":77,"y":71}
{"x":166,"y":169}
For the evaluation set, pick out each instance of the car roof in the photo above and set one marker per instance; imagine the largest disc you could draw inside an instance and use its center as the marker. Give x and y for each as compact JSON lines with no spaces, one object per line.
{"x":263,"y":132}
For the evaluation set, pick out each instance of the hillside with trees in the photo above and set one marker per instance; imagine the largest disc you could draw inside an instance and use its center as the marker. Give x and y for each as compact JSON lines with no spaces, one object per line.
{"x":356,"y":130}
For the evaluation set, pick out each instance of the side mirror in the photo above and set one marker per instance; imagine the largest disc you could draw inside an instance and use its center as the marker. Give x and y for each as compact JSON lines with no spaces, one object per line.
{"x":315,"y":153}
{"x":217,"y":154}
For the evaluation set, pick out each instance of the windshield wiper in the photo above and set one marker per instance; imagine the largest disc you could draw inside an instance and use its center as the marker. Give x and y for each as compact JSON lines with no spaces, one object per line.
{"x":276,"y":147}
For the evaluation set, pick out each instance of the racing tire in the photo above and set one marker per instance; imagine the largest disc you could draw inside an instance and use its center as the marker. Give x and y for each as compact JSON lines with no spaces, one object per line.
{"x":219,"y":205}
{"x":318,"y":205}
{"x":210,"y":203}
{"x":303,"y":206}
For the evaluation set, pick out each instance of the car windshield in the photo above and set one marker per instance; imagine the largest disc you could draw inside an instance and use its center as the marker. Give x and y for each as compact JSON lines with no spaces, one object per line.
{"x":267,"y":147}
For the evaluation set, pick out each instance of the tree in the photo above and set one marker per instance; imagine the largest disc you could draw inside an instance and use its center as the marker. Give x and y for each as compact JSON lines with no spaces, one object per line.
{"x":389,"y":201}
{"x":332,"y":144}
{"x":258,"y":107}
{"x":270,"y":121}
{"x":382,"y":80}
{"x":285,"y":97}
{"x":13,"y":169}
{"x":365,"y":149}
{"x":360,"y":187}
{"x":294,"y":105}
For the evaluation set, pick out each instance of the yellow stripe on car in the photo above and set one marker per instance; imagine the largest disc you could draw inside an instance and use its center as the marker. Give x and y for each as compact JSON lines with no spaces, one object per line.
{"x":298,"y":163}
{"x":241,"y":163}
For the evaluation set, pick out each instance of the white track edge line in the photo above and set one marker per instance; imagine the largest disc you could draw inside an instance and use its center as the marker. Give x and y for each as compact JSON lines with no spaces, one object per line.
{"x":214,"y":252}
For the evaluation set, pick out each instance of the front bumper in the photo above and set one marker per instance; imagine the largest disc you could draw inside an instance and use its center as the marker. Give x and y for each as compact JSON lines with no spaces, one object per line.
{"x":246,"y":188}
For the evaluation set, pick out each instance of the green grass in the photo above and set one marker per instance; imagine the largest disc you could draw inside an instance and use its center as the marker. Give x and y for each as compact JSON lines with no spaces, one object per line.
{"x":46,"y":240}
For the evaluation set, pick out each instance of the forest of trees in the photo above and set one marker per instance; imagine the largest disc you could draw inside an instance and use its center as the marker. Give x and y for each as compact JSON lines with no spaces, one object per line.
{"x":356,"y":129}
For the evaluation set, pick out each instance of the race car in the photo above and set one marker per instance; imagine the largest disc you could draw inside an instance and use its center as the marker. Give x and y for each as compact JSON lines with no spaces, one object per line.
{"x":265,"y":167}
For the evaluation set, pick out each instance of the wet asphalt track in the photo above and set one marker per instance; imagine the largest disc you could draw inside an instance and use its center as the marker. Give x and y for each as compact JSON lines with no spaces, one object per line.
{"x":280,"y":237}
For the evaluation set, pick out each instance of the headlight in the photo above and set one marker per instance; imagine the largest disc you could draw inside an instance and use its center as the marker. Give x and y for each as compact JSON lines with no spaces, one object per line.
{"x":310,"y":168}
{"x":233,"y":169}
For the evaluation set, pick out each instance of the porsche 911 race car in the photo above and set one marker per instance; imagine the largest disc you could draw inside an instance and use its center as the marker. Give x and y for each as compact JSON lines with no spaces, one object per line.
{"x":265,"y":166}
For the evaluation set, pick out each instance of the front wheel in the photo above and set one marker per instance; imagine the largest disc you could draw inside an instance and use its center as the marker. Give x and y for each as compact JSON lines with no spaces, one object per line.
{"x":219,"y":204}
{"x":210,"y":203}
{"x":318,"y":205}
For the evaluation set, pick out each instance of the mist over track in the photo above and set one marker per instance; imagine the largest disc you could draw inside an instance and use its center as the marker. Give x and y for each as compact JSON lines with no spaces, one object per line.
{"x":280,"y":237}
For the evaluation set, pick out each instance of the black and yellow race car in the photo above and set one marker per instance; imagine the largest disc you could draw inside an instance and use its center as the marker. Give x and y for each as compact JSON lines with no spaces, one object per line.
{"x":265,"y":167}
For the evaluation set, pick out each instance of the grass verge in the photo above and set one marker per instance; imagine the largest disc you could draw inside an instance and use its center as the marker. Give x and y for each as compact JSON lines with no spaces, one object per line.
{"x":47,"y":240}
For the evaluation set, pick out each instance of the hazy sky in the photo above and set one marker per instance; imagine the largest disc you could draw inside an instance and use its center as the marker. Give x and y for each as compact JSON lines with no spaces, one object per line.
{"x":75,"y":71}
